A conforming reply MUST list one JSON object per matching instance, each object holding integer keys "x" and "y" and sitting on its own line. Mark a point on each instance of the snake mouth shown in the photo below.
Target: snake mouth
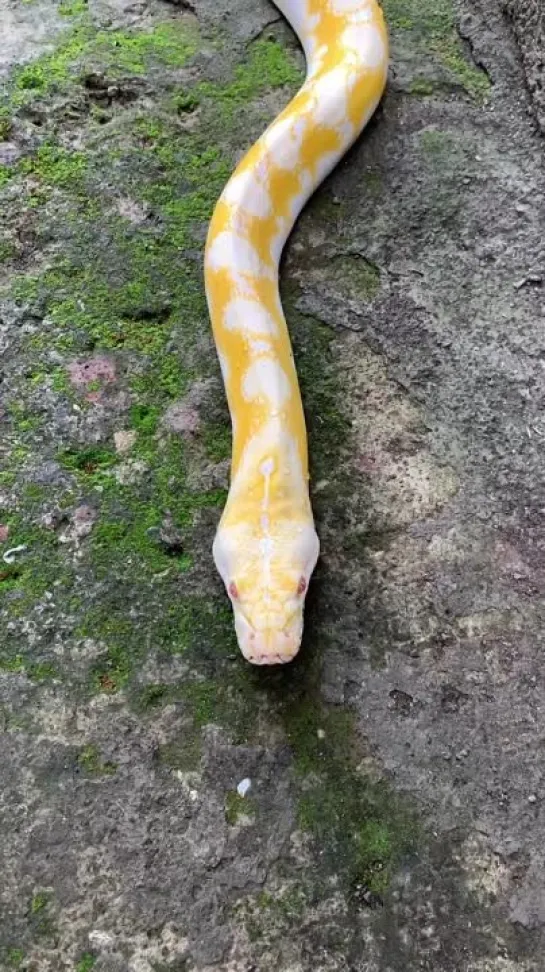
{"x": 270, "y": 659}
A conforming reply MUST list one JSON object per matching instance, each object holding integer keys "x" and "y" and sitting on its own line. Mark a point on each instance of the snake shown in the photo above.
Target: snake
{"x": 266, "y": 547}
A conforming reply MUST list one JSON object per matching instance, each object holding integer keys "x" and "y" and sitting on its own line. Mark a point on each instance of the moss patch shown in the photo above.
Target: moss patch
{"x": 86, "y": 962}
{"x": 91, "y": 762}
{"x": 431, "y": 25}
{"x": 422, "y": 87}
{"x": 41, "y": 914}
{"x": 169, "y": 44}
{"x": 39, "y": 902}
{"x": 358, "y": 277}
{"x": 267, "y": 66}
{"x": 361, "y": 828}
{"x": 184, "y": 755}
{"x": 15, "y": 958}
{"x": 124, "y": 218}
{"x": 238, "y": 808}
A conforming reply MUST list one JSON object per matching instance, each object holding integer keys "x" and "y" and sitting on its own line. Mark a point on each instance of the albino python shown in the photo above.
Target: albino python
{"x": 266, "y": 546}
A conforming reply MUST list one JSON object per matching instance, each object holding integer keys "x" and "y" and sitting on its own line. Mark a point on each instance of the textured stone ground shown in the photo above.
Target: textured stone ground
{"x": 528, "y": 19}
{"x": 395, "y": 820}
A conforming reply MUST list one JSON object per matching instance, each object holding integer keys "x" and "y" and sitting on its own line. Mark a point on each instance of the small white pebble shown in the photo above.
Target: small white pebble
{"x": 321, "y": 734}
{"x": 244, "y": 787}
{"x": 100, "y": 940}
{"x": 532, "y": 798}
{"x": 10, "y": 555}
{"x": 124, "y": 440}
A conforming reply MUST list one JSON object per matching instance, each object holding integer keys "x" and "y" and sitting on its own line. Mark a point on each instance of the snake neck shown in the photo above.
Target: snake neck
{"x": 269, "y": 483}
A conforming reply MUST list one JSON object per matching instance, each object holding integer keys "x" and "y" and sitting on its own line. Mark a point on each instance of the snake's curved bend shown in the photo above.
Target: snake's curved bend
{"x": 266, "y": 546}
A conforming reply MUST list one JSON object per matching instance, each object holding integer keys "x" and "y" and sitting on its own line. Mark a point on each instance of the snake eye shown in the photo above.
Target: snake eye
{"x": 302, "y": 586}
{"x": 233, "y": 591}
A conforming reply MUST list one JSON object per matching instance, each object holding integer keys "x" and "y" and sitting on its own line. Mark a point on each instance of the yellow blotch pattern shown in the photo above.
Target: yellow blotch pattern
{"x": 287, "y": 189}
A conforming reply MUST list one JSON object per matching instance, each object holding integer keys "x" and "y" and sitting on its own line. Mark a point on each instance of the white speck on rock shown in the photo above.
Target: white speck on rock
{"x": 244, "y": 787}
{"x": 11, "y": 554}
{"x": 124, "y": 440}
{"x": 100, "y": 940}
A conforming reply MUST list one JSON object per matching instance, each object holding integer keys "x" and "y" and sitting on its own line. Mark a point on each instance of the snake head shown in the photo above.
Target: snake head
{"x": 266, "y": 574}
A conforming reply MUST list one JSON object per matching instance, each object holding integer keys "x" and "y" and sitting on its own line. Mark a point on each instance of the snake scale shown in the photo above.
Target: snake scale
{"x": 266, "y": 546}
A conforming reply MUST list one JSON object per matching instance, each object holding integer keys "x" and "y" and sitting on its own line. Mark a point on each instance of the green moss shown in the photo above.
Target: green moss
{"x": 86, "y": 962}
{"x": 75, "y": 9}
{"x": 52, "y": 70}
{"x": 435, "y": 142}
{"x": 237, "y": 807}
{"x": 90, "y": 761}
{"x": 327, "y": 427}
{"x": 119, "y": 52}
{"x": 173, "y": 625}
{"x": 184, "y": 755}
{"x": 9, "y": 577}
{"x": 273, "y": 915}
{"x": 170, "y": 43}
{"x": 358, "y": 276}
{"x": 39, "y": 902}
{"x": 15, "y": 958}
{"x": 130, "y": 539}
{"x": 314, "y": 733}
{"x": 217, "y": 440}
{"x": 6, "y": 174}
{"x": 360, "y": 825}
{"x": 422, "y": 87}
{"x": 7, "y": 251}
{"x": 205, "y": 699}
{"x": 31, "y": 577}
{"x": 6, "y": 124}
{"x": 112, "y": 671}
{"x": 186, "y": 103}
{"x": 90, "y": 461}
{"x": 268, "y": 66}
{"x": 153, "y": 695}
{"x": 431, "y": 23}
{"x": 41, "y": 914}
{"x": 145, "y": 418}
{"x": 39, "y": 671}
{"x": 55, "y": 166}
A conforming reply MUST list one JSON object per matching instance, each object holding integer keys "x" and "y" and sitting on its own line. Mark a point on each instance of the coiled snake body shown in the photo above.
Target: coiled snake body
{"x": 266, "y": 546}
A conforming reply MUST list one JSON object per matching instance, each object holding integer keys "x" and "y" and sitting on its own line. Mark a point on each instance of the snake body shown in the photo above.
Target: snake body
{"x": 266, "y": 546}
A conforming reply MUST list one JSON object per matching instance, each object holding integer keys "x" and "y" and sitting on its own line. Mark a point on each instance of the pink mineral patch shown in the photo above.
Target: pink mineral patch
{"x": 4, "y": 533}
{"x": 99, "y": 370}
{"x": 83, "y": 520}
{"x": 367, "y": 464}
{"x": 182, "y": 417}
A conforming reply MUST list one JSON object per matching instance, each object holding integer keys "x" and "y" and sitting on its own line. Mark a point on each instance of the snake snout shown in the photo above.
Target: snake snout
{"x": 269, "y": 646}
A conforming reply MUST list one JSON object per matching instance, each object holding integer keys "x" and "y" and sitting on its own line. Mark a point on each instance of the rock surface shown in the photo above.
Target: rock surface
{"x": 528, "y": 18}
{"x": 379, "y": 805}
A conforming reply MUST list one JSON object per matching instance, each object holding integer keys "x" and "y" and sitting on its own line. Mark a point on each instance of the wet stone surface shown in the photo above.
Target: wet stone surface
{"x": 377, "y": 806}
